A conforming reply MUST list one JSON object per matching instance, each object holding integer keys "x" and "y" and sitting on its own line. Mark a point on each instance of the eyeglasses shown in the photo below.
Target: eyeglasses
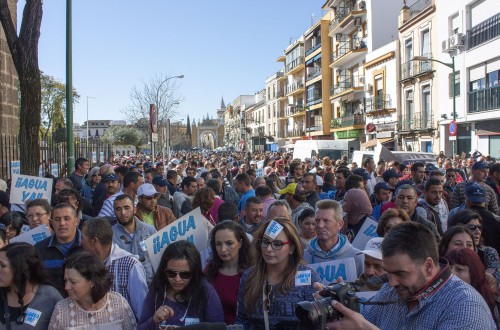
{"x": 148, "y": 198}
{"x": 182, "y": 274}
{"x": 36, "y": 215}
{"x": 275, "y": 245}
{"x": 474, "y": 227}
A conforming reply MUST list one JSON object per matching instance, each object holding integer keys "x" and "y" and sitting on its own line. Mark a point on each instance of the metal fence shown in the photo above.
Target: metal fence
{"x": 53, "y": 154}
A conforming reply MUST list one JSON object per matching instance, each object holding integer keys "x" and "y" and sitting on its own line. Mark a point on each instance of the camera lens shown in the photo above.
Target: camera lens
{"x": 313, "y": 315}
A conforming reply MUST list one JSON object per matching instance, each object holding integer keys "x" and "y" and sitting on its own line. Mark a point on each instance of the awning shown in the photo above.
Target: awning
{"x": 373, "y": 143}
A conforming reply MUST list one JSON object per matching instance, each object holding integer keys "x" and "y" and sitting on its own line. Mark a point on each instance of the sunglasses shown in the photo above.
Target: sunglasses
{"x": 474, "y": 227}
{"x": 96, "y": 174}
{"x": 182, "y": 274}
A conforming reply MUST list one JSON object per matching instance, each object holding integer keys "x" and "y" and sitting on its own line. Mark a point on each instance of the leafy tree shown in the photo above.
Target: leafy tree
{"x": 124, "y": 135}
{"x": 160, "y": 90}
{"x": 24, "y": 51}
{"x": 53, "y": 105}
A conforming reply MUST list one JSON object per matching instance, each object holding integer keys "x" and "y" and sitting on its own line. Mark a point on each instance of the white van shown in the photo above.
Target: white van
{"x": 403, "y": 157}
{"x": 334, "y": 149}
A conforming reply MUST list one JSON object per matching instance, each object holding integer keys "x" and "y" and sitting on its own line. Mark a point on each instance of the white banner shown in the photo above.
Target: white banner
{"x": 365, "y": 233}
{"x": 94, "y": 157}
{"x": 329, "y": 271}
{"x": 54, "y": 169}
{"x": 32, "y": 236}
{"x": 15, "y": 167}
{"x": 24, "y": 188}
{"x": 193, "y": 227}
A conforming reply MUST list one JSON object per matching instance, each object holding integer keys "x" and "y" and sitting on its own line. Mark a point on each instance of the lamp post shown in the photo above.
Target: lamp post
{"x": 452, "y": 67}
{"x": 87, "y": 142}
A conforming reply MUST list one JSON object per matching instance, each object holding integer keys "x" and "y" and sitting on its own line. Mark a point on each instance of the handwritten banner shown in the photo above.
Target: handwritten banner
{"x": 32, "y": 236}
{"x": 54, "y": 169}
{"x": 366, "y": 233}
{"x": 15, "y": 167}
{"x": 24, "y": 188}
{"x": 193, "y": 227}
{"x": 329, "y": 271}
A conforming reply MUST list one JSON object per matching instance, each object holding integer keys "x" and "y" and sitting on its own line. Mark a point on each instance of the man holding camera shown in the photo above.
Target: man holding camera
{"x": 421, "y": 293}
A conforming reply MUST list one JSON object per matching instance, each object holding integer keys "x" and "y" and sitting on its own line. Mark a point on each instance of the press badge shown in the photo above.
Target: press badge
{"x": 303, "y": 278}
{"x": 191, "y": 320}
{"x": 144, "y": 248}
{"x": 32, "y": 317}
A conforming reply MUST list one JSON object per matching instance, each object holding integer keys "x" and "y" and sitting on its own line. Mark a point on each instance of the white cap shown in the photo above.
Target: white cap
{"x": 373, "y": 248}
{"x": 319, "y": 181}
{"x": 175, "y": 161}
{"x": 146, "y": 189}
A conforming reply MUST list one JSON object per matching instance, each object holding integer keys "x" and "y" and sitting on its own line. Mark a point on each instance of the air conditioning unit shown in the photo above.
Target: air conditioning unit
{"x": 369, "y": 88}
{"x": 357, "y": 21}
{"x": 445, "y": 46}
{"x": 338, "y": 37}
{"x": 457, "y": 40}
{"x": 361, "y": 80}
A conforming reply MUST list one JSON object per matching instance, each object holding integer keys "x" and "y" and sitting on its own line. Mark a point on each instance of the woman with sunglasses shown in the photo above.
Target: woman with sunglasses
{"x": 93, "y": 179}
{"x": 489, "y": 256}
{"x": 270, "y": 289}
{"x": 90, "y": 303}
{"x": 180, "y": 294}
{"x": 230, "y": 257}
{"x": 26, "y": 298}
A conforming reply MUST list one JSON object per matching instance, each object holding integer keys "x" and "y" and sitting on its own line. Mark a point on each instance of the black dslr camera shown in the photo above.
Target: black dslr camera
{"x": 315, "y": 314}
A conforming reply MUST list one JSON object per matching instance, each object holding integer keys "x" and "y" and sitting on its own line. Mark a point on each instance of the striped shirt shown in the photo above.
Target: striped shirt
{"x": 456, "y": 305}
{"x": 108, "y": 209}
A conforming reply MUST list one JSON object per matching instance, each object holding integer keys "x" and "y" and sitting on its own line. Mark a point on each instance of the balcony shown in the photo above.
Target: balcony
{"x": 316, "y": 46}
{"x": 348, "y": 121}
{"x": 292, "y": 110}
{"x": 343, "y": 15}
{"x": 378, "y": 103}
{"x": 345, "y": 49}
{"x": 346, "y": 86}
{"x": 412, "y": 69}
{"x": 295, "y": 65}
{"x": 416, "y": 122}
{"x": 294, "y": 88}
{"x": 293, "y": 133}
{"x": 312, "y": 73}
{"x": 280, "y": 94}
{"x": 484, "y": 100}
{"x": 419, "y": 7}
{"x": 315, "y": 128}
{"x": 484, "y": 31}
{"x": 314, "y": 100}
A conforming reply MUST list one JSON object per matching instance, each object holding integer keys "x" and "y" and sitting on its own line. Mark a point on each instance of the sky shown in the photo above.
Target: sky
{"x": 224, "y": 48}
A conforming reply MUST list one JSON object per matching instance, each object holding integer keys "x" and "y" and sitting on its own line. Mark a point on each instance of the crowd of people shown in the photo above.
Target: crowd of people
{"x": 273, "y": 219}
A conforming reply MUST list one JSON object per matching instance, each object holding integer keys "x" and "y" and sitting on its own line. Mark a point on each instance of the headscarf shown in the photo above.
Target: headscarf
{"x": 357, "y": 205}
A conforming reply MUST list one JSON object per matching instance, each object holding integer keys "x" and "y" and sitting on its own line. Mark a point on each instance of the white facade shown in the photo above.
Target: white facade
{"x": 469, "y": 31}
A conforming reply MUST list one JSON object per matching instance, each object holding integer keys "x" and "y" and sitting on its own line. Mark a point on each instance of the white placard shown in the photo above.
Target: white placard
{"x": 329, "y": 271}
{"x": 94, "y": 157}
{"x": 32, "y": 236}
{"x": 54, "y": 169}
{"x": 260, "y": 164}
{"x": 366, "y": 233}
{"x": 273, "y": 229}
{"x": 101, "y": 154}
{"x": 15, "y": 167}
{"x": 24, "y": 188}
{"x": 193, "y": 227}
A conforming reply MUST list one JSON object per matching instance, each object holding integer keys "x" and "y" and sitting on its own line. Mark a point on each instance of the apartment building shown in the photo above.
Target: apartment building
{"x": 255, "y": 119}
{"x": 469, "y": 37}
{"x": 275, "y": 109}
{"x": 233, "y": 118}
{"x": 380, "y": 103}
{"x": 357, "y": 28}
{"x": 419, "y": 83}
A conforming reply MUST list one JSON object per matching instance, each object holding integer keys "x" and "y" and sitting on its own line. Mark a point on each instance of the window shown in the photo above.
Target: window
{"x": 457, "y": 84}
{"x": 425, "y": 43}
{"x": 426, "y": 115}
{"x": 408, "y": 109}
{"x": 408, "y": 49}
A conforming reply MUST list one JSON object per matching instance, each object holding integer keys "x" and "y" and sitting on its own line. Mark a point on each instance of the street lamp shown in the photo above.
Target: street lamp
{"x": 88, "y": 97}
{"x": 452, "y": 67}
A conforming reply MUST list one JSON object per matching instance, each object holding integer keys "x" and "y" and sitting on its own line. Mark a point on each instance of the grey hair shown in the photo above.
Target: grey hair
{"x": 327, "y": 204}
{"x": 406, "y": 187}
{"x": 99, "y": 228}
{"x": 280, "y": 202}
{"x": 93, "y": 171}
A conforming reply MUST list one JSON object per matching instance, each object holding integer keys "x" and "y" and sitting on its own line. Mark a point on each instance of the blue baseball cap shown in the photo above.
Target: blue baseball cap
{"x": 382, "y": 185}
{"x": 475, "y": 193}
{"x": 361, "y": 172}
{"x": 159, "y": 181}
{"x": 110, "y": 177}
{"x": 391, "y": 174}
{"x": 481, "y": 165}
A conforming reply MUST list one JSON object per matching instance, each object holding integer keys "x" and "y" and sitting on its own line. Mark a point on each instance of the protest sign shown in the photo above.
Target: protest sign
{"x": 32, "y": 236}
{"x": 259, "y": 172}
{"x": 193, "y": 227}
{"x": 15, "y": 167}
{"x": 382, "y": 153}
{"x": 329, "y": 271}
{"x": 366, "y": 233}
{"x": 94, "y": 157}
{"x": 101, "y": 156}
{"x": 54, "y": 169}
{"x": 24, "y": 188}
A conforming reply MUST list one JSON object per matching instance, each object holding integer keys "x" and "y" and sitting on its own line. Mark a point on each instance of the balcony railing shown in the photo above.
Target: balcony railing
{"x": 295, "y": 63}
{"x": 347, "y": 46}
{"x": 340, "y": 87}
{"x": 313, "y": 73}
{"x": 293, "y": 109}
{"x": 485, "y": 99}
{"x": 314, "y": 100}
{"x": 316, "y": 46}
{"x": 339, "y": 17}
{"x": 416, "y": 122}
{"x": 484, "y": 31}
{"x": 294, "y": 133}
{"x": 377, "y": 103}
{"x": 418, "y": 7}
{"x": 414, "y": 68}
{"x": 294, "y": 86}
{"x": 280, "y": 94}
{"x": 315, "y": 127}
{"x": 349, "y": 120}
